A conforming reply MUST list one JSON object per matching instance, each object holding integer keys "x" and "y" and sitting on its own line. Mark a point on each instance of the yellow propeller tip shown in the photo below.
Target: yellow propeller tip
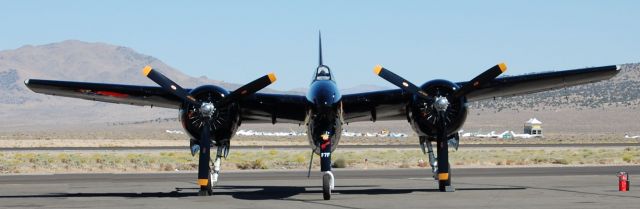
{"x": 272, "y": 77}
{"x": 146, "y": 70}
{"x": 503, "y": 67}
{"x": 377, "y": 69}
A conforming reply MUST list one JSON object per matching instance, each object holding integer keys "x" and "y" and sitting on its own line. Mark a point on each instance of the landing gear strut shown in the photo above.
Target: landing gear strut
{"x": 427, "y": 149}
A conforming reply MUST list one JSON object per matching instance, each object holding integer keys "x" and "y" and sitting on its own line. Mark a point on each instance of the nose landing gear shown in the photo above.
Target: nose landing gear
{"x": 325, "y": 166}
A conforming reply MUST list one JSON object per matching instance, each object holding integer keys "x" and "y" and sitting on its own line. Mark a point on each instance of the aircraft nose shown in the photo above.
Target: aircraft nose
{"x": 325, "y": 99}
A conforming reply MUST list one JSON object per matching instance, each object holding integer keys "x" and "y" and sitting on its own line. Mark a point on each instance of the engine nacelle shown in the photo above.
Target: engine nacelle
{"x": 422, "y": 115}
{"x": 225, "y": 120}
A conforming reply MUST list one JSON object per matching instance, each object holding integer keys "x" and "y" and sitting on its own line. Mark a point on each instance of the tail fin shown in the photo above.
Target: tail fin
{"x": 319, "y": 48}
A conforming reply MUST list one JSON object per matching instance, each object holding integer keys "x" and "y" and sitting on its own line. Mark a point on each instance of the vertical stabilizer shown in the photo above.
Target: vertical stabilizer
{"x": 319, "y": 48}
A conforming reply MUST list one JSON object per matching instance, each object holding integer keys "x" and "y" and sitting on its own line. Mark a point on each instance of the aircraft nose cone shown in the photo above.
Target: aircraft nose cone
{"x": 323, "y": 94}
{"x": 325, "y": 99}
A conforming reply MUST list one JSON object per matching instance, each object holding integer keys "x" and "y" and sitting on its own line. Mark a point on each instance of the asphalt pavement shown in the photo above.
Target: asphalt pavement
{"x": 551, "y": 187}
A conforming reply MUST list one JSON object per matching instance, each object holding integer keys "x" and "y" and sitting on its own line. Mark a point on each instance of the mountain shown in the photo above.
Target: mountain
{"x": 352, "y": 90}
{"x": 623, "y": 90}
{"x": 78, "y": 61}
{"x": 363, "y": 88}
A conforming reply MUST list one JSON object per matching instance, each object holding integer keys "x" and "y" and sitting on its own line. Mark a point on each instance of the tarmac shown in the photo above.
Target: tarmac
{"x": 550, "y": 187}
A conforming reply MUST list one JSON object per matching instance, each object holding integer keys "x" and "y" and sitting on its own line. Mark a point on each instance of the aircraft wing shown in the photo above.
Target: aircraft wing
{"x": 113, "y": 93}
{"x": 391, "y": 104}
{"x": 532, "y": 83}
{"x": 257, "y": 108}
{"x": 273, "y": 108}
{"x": 376, "y": 105}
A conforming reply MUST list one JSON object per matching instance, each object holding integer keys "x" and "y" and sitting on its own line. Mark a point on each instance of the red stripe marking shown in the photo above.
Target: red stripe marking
{"x": 323, "y": 146}
{"x": 112, "y": 94}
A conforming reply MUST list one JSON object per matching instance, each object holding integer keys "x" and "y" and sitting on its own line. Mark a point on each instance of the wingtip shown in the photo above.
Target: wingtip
{"x": 26, "y": 82}
{"x": 146, "y": 70}
{"x": 618, "y": 67}
{"x": 377, "y": 69}
{"x": 503, "y": 67}
{"x": 272, "y": 77}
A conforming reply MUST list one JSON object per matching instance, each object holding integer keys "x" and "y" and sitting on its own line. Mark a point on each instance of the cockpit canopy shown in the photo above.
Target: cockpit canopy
{"x": 323, "y": 73}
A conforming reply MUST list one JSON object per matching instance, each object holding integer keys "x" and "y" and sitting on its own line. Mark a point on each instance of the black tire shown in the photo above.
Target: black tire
{"x": 326, "y": 187}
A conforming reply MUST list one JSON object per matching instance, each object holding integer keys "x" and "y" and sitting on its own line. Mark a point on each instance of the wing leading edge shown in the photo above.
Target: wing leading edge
{"x": 391, "y": 104}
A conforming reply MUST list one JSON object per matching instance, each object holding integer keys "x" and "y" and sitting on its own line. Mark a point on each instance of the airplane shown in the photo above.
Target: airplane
{"x": 211, "y": 115}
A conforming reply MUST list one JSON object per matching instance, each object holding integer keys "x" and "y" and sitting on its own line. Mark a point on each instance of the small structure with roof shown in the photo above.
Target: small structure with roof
{"x": 533, "y": 127}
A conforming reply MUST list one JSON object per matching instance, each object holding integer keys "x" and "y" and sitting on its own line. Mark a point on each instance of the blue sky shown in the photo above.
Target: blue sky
{"x": 238, "y": 41}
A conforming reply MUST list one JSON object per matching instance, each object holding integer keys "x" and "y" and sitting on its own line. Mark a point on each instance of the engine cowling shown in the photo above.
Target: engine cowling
{"x": 422, "y": 114}
{"x": 225, "y": 119}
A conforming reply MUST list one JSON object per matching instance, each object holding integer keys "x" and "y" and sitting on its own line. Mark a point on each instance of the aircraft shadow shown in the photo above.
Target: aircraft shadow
{"x": 256, "y": 193}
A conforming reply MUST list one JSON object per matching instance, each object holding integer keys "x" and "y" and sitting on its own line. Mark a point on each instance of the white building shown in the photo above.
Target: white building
{"x": 533, "y": 127}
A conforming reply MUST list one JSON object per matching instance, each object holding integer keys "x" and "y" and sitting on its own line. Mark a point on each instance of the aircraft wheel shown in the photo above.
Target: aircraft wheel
{"x": 326, "y": 187}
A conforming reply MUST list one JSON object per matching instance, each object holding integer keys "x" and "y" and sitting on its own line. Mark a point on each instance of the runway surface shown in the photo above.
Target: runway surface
{"x": 555, "y": 187}
{"x": 306, "y": 147}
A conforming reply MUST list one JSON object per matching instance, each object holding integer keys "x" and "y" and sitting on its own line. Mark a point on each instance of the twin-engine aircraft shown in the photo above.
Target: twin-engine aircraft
{"x": 211, "y": 115}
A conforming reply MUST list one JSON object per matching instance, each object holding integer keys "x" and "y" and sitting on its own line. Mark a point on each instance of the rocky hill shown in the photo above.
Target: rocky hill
{"x": 77, "y": 61}
{"x": 623, "y": 90}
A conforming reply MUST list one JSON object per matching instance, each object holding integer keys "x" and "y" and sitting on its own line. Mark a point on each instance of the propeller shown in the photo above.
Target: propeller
{"x": 481, "y": 79}
{"x": 248, "y": 89}
{"x": 440, "y": 103}
{"x": 204, "y": 159}
{"x": 472, "y": 85}
{"x": 400, "y": 82}
{"x": 207, "y": 110}
{"x": 168, "y": 85}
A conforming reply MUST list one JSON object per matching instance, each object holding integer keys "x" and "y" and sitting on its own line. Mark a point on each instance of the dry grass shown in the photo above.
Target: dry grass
{"x": 60, "y": 162}
{"x": 172, "y": 140}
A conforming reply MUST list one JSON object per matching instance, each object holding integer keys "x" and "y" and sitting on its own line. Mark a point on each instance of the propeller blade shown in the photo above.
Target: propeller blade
{"x": 248, "y": 89}
{"x": 443, "y": 151}
{"x": 400, "y": 82}
{"x": 168, "y": 85}
{"x": 205, "y": 155}
{"x": 481, "y": 79}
